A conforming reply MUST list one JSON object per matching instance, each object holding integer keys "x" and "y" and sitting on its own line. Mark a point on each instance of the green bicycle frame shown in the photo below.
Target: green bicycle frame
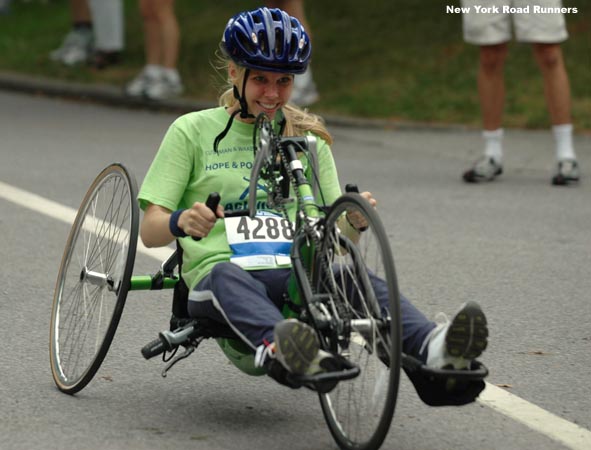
{"x": 152, "y": 282}
{"x": 302, "y": 251}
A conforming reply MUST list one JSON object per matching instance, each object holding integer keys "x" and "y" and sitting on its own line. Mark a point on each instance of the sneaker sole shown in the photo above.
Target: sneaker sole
{"x": 564, "y": 181}
{"x": 296, "y": 345}
{"x": 472, "y": 177}
{"x": 468, "y": 333}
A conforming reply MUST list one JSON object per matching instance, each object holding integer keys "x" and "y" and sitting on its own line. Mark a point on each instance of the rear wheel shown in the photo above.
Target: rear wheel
{"x": 355, "y": 268}
{"x": 94, "y": 278}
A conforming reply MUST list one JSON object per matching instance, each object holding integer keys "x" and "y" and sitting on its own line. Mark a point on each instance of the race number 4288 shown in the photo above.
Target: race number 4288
{"x": 264, "y": 228}
{"x": 261, "y": 242}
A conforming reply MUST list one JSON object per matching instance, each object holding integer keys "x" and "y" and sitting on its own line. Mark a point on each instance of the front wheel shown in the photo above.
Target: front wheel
{"x": 94, "y": 278}
{"x": 355, "y": 268}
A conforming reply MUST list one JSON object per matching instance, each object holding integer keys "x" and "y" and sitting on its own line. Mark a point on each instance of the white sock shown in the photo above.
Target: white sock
{"x": 563, "y": 135}
{"x": 493, "y": 144}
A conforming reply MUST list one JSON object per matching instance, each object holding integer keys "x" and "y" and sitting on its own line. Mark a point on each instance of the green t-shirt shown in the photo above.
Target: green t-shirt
{"x": 186, "y": 170}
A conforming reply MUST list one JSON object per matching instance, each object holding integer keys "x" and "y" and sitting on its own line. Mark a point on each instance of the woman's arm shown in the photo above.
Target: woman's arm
{"x": 154, "y": 229}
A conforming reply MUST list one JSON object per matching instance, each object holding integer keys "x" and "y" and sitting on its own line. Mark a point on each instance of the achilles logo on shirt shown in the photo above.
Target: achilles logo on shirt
{"x": 261, "y": 205}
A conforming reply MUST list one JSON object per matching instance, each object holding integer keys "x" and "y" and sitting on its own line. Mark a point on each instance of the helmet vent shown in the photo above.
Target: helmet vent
{"x": 263, "y": 43}
{"x": 278, "y": 42}
{"x": 247, "y": 44}
{"x": 275, "y": 15}
{"x": 293, "y": 46}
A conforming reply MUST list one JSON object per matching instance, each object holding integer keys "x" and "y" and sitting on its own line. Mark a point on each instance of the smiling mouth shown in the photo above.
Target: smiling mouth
{"x": 268, "y": 106}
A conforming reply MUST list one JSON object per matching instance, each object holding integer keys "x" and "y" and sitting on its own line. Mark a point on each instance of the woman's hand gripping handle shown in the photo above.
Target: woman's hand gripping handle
{"x": 212, "y": 202}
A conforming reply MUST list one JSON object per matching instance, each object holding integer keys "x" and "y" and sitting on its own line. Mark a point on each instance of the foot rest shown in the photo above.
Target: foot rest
{"x": 444, "y": 387}
{"x": 477, "y": 371}
{"x": 325, "y": 382}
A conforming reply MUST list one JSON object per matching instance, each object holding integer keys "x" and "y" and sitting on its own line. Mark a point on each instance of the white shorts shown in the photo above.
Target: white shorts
{"x": 493, "y": 26}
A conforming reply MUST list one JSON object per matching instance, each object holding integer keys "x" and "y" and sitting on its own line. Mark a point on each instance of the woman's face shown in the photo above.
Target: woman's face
{"x": 267, "y": 91}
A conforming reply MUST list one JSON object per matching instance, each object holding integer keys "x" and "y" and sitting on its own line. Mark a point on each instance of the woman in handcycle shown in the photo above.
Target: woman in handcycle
{"x": 212, "y": 151}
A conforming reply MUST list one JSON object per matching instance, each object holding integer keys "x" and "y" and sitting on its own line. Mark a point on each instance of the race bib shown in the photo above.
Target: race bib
{"x": 264, "y": 241}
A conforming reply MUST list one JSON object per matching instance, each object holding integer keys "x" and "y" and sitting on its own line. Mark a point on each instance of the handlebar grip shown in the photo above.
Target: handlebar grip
{"x": 154, "y": 348}
{"x": 351, "y": 188}
{"x": 212, "y": 202}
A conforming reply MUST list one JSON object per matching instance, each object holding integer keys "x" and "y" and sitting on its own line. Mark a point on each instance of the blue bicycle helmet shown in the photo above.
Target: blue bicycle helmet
{"x": 267, "y": 39}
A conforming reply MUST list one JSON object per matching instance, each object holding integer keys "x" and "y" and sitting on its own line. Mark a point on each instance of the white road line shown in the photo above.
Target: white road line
{"x": 570, "y": 434}
{"x": 63, "y": 213}
{"x": 567, "y": 433}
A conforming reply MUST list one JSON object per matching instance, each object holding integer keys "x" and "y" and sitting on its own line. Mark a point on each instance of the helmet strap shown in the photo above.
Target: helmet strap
{"x": 243, "y": 111}
{"x": 223, "y": 134}
{"x": 242, "y": 98}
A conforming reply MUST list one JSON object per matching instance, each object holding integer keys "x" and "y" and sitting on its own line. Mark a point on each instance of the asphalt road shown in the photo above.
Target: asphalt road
{"x": 519, "y": 246}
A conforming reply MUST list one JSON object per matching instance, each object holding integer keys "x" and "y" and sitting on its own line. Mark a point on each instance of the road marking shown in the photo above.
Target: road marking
{"x": 567, "y": 433}
{"x": 65, "y": 214}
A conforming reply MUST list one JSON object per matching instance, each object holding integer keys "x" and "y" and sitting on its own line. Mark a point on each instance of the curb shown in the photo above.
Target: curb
{"x": 114, "y": 96}
{"x": 100, "y": 93}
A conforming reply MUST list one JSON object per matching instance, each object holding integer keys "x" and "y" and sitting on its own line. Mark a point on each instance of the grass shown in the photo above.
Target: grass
{"x": 398, "y": 59}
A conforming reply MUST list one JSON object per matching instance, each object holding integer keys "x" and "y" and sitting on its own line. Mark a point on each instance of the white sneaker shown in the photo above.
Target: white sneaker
{"x": 76, "y": 48}
{"x": 485, "y": 169}
{"x": 567, "y": 172}
{"x": 304, "y": 90}
{"x": 139, "y": 85}
{"x": 458, "y": 342}
{"x": 164, "y": 88}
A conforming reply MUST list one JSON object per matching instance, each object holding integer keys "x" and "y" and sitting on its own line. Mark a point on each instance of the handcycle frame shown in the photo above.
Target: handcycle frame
{"x": 313, "y": 298}
{"x": 301, "y": 292}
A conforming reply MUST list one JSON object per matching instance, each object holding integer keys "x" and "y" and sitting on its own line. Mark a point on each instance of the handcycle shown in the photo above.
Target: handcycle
{"x": 337, "y": 252}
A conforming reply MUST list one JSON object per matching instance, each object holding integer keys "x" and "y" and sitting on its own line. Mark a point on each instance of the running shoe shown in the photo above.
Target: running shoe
{"x": 297, "y": 348}
{"x": 75, "y": 49}
{"x": 138, "y": 86}
{"x": 485, "y": 169}
{"x": 567, "y": 172}
{"x": 304, "y": 90}
{"x": 163, "y": 88}
{"x": 454, "y": 344}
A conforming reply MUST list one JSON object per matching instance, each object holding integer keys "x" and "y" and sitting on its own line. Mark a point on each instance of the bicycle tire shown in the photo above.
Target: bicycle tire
{"x": 359, "y": 412}
{"x": 94, "y": 278}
